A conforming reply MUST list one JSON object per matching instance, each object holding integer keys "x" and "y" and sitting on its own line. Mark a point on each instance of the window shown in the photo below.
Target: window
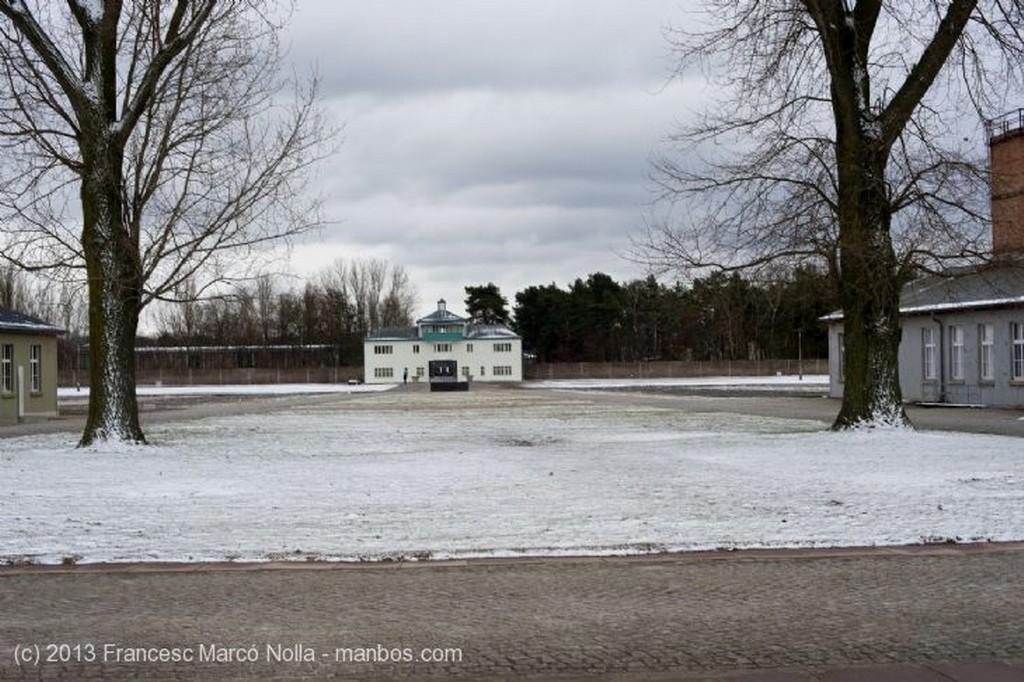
{"x": 35, "y": 358}
{"x": 842, "y": 358}
{"x": 503, "y": 348}
{"x": 928, "y": 352}
{"x": 442, "y": 348}
{"x": 986, "y": 336}
{"x": 502, "y": 371}
{"x": 415, "y": 348}
{"x": 1017, "y": 364}
{"x": 383, "y": 372}
{"x": 956, "y": 352}
{"x": 419, "y": 372}
{"x": 7, "y": 368}
{"x": 483, "y": 371}
{"x": 469, "y": 348}
{"x": 383, "y": 350}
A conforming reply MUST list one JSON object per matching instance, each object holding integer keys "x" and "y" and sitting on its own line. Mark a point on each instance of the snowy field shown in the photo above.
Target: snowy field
{"x": 812, "y": 383}
{"x": 497, "y": 473}
{"x": 68, "y": 393}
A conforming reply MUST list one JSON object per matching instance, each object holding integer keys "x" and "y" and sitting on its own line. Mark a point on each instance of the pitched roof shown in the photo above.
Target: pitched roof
{"x": 998, "y": 285}
{"x": 441, "y": 315}
{"x": 994, "y": 286}
{"x": 13, "y": 321}
{"x": 473, "y": 330}
{"x": 490, "y": 331}
{"x": 394, "y": 334}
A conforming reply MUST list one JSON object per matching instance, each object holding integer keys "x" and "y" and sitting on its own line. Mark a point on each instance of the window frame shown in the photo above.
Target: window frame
{"x": 7, "y": 368}
{"x": 842, "y": 357}
{"x": 956, "y": 352}
{"x": 986, "y": 352}
{"x": 35, "y": 362}
{"x": 929, "y": 370}
{"x": 1017, "y": 352}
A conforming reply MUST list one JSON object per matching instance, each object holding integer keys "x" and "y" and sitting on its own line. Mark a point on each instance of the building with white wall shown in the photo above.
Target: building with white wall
{"x": 963, "y": 338}
{"x": 28, "y": 366}
{"x": 963, "y": 331}
{"x": 473, "y": 352}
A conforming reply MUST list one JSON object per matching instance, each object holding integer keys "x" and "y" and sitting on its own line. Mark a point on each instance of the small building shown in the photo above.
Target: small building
{"x": 28, "y": 366}
{"x": 470, "y": 351}
{"x": 963, "y": 338}
{"x": 963, "y": 332}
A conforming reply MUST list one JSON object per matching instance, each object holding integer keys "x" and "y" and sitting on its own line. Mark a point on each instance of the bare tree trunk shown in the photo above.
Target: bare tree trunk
{"x": 114, "y": 296}
{"x": 869, "y": 291}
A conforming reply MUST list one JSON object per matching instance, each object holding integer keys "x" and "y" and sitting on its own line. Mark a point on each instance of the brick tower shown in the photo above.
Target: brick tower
{"x": 1006, "y": 147}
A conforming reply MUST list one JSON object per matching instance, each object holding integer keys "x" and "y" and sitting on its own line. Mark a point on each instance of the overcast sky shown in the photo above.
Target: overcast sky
{"x": 487, "y": 140}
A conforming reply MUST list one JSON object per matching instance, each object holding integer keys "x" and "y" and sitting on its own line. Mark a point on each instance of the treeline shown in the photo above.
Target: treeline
{"x": 339, "y": 306}
{"x": 719, "y": 317}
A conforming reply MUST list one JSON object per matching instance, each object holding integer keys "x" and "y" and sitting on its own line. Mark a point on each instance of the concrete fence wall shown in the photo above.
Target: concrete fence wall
{"x": 566, "y": 370}
{"x": 311, "y": 375}
{"x": 668, "y": 370}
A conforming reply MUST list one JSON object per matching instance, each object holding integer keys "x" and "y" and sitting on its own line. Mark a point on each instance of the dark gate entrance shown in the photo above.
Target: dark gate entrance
{"x": 444, "y": 376}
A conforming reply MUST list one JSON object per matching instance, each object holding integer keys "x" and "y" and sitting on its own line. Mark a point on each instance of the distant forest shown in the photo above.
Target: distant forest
{"x": 719, "y": 317}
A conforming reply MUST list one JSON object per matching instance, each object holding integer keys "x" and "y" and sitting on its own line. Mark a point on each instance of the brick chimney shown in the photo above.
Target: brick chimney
{"x": 1006, "y": 147}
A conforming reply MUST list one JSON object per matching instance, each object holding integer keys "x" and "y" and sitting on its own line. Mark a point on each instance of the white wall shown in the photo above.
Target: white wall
{"x": 483, "y": 356}
{"x": 1002, "y": 390}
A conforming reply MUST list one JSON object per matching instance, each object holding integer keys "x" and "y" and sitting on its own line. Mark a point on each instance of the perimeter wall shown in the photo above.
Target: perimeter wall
{"x": 567, "y": 370}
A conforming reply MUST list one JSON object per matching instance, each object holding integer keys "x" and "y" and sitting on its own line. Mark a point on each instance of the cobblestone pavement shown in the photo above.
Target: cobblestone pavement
{"x": 920, "y": 613}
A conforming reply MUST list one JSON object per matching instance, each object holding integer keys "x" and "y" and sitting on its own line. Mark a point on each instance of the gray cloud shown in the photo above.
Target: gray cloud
{"x": 403, "y": 46}
{"x": 487, "y": 140}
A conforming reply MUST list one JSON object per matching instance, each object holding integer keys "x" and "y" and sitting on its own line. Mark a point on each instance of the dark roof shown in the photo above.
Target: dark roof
{"x": 473, "y": 331}
{"x": 395, "y": 334}
{"x": 995, "y": 286}
{"x": 13, "y": 321}
{"x": 441, "y": 316}
{"x": 490, "y": 331}
{"x": 999, "y": 285}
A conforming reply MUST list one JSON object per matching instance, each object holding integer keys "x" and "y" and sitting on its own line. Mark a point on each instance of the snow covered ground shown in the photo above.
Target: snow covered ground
{"x": 811, "y": 383}
{"x": 68, "y": 393}
{"x": 497, "y": 473}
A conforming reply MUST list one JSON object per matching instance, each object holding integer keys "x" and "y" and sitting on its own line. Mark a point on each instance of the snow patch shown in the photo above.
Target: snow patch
{"x": 237, "y": 389}
{"x": 503, "y": 473}
{"x": 812, "y": 382}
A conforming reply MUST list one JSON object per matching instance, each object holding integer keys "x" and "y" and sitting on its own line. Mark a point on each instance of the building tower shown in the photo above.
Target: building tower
{"x": 1006, "y": 149}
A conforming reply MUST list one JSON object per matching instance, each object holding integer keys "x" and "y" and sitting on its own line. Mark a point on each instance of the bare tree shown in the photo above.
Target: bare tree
{"x": 183, "y": 140}
{"x": 381, "y": 293}
{"x": 12, "y": 287}
{"x": 842, "y": 140}
{"x": 399, "y": 300}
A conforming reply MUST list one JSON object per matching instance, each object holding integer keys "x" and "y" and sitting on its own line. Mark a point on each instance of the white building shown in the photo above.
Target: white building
{"x": 445, "y": 345}
{"x": 963, "y": 332}
{"x": 963, "y": 338}
{"x": 28, "y": 366}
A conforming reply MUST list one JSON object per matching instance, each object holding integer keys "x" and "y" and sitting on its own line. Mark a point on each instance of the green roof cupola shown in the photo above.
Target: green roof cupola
{"x": 442, "y": 325}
